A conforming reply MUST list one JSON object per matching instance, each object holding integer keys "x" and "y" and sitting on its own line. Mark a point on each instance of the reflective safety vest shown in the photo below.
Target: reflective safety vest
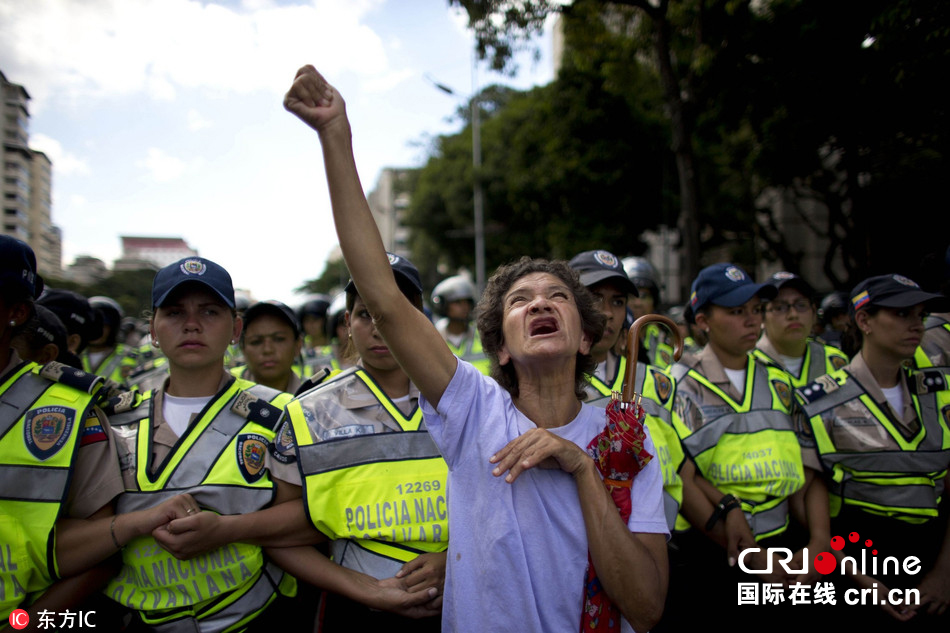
{"x": 219, "y": 461}
{"x": 905, "y": 482}
{"x": 314, "y": 360}
{"x": 921, "y": 359}
{"x": 658, "y": 348}
{"x": 819, "y": 360}
{"x": 42, "y": 415}
{"x": 380, "y": 497}
{"x": 471, "y": 350}
{"x": 657, "y": 389}
{"x": 116, "y": 366}
{"x": 750, "y": 448}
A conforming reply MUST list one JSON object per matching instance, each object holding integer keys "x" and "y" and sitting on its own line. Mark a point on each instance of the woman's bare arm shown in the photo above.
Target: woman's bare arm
{"x": 411, "y": 337}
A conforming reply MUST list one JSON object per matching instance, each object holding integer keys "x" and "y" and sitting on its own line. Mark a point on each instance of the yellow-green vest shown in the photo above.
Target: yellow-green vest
{"x": 819, "y": 360}
{"x": 383, "y": 493}
{"x": 750, "y": 448}
{"x": 116, "y": 366}
{"x": 921, "y": 359}
{"x": 42, "y": 415}
{"x": 219, "y": 461}
{"x": 657, "y": 389}
{"x": 656, "y": 343}
{"x": 471, "y": 351}
{"x": 906, "y": 484}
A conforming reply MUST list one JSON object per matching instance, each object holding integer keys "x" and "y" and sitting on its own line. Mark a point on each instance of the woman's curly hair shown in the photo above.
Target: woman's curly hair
{"x": 490, "y": 313}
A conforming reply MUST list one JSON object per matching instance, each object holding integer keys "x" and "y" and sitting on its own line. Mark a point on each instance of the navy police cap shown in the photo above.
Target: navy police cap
{"x": 726, "y": 285}
{"x": 192, "y": 269}
{"x": 272, "y": 307}
{"x": 18, "y": 266}
{"x": 894, "y": 291}
{"x": 594, "y": 267}
{"x": 402, "y": 269}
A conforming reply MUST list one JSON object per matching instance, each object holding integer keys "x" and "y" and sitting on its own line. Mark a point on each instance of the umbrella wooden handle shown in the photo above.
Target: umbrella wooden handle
{"x": 633, "y": 347}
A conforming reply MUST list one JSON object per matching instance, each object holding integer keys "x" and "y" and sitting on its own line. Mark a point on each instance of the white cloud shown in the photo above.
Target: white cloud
{"x": 161, "y": 167}
{"x": 97, "y": 49}
{"x": 63, "y": 162}
{"x": 196, "y": 121}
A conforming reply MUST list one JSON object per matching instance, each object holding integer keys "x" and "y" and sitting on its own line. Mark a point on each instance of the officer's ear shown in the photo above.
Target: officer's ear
{"x": 47, "y": 354}
{"x": 73, "y": 341}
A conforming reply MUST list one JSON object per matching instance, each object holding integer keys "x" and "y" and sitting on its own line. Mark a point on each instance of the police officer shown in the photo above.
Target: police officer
{"x": 786, "y": 340}
{"x": 106, "y": 356}
{"x": 82, "y": 323}
{"x": 738, "y": 427}
{"x": 271, "y": 344}
{"x": 363, "y": 452}
{"x": 41, "y": 338}
{"x": 453, "y": 301}
{"x": 58, "y": 469}
{"x": 833, "y": 318}
{"x": 646, "y": 278}
{"x": 204, "y": 432}
{"x": 604, "y": 276}
{"x": 881, "y": 433}
{"x": 317, "y": 347}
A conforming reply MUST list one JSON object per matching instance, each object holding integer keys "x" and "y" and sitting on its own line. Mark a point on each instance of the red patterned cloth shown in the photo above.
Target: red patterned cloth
{"x": 619, "y": 454}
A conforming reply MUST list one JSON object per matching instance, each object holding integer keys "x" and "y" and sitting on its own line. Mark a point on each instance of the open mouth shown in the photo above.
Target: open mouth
{"x": 543, "y": 326}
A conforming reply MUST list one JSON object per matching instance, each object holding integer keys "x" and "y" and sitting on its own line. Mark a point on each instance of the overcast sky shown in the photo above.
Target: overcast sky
{"x": 165, "y": 117}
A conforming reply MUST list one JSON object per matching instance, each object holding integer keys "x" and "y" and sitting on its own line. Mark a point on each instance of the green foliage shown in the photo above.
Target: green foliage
{"x": 334, "y": 276}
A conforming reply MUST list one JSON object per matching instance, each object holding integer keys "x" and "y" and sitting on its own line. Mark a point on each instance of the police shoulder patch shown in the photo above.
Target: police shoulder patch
{"x": 822, "y": 385}
{"x": 837, "y": 361}
{"x": 47, "y": 429}
{"x": 122, "y": 403}
{"x": 251, "y": 449}
{"x": 284, "y": 446}
{"x": 257, "y": 410}
{"x": 76, "y": 378}
{"x": 928, "y": 381}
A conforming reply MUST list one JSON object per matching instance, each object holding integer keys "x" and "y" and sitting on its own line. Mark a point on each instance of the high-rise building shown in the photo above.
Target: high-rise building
{"x": 26, "y": 186}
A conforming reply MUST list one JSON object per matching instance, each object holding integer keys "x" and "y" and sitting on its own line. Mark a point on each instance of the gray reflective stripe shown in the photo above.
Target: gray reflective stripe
{"x": 19, "y": 397}
{"x": 252, "y": 601}
{"x": 33, "y": 483}
{"x": 768, "y": 521}
{"x": 222, "y": 499}
{"x": 896, "y": 497}
{"x": 203, "y": 454}
{"x": 381, "y": 447}
{"x": 735, "y": 423}
{"x": 671, "y": 508}
{"x": 201, "y": 457}
{"x": 351, "y": 555}
{"x": 903, "y": 463}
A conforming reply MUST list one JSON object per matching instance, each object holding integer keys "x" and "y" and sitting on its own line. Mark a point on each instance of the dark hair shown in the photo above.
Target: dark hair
{"x": 490, "y": 314}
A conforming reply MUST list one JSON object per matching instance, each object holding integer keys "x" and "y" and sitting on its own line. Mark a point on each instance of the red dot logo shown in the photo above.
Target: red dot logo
{"x": 868, "y": 543}
{"x": 19, "y": 619}
{"x": 825, "y": 563}
{"x": 853, "y": 537}
{"x": 837, "y": 543}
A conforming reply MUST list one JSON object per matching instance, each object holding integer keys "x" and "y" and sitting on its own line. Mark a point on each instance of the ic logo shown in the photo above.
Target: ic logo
{"x": 19, "y": 619}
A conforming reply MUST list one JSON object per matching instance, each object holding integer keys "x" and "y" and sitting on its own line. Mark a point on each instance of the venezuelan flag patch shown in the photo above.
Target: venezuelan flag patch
{"x": 859, "y": 301}
{"x": 92, "y": 432}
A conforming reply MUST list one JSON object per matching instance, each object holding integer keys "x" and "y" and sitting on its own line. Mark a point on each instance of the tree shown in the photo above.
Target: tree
{"x": 566, "y": 167}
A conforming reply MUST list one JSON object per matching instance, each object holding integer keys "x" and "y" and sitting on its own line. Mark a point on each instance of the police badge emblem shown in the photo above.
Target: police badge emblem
{"x": 250, "y": 456}
{"x": 838, "y": 362}
{"x": 47, "y": 429}
{"x": 193, "y": 267}
{"x": 783, "y": 392}
{"x": 664, "y": 386}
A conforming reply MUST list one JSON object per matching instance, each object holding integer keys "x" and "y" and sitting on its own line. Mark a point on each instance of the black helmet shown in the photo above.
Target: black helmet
{"x": 315, "y": 307}
{"x": 833, "y": 304}
{"x": 109, "y": 309}
{"x": 455, "y": 288}
{"x": 335, "y": 312}
{"x": 643, "y": 275}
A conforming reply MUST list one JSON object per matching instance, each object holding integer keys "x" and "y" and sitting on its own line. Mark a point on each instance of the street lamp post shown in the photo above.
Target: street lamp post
{"x": 478, "y": 200}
